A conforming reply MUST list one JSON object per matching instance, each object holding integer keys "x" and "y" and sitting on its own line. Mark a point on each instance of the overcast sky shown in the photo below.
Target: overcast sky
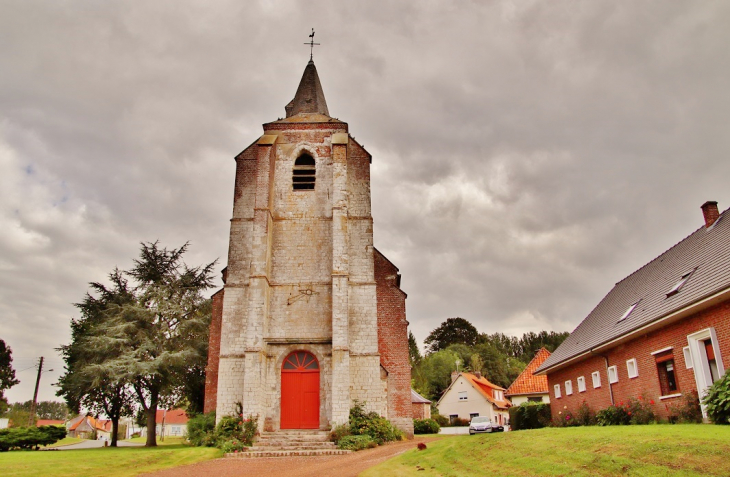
{"x": 526, "y": 155}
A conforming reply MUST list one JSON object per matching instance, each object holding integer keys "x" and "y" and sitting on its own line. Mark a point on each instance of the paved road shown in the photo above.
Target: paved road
{"x": 89, "y": 444}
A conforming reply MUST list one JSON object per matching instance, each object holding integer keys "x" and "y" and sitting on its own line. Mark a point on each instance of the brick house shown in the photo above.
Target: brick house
{"x": 470, "y": 395}
{"x": 659, "y": 334}
{"x": 421, "y": 406}
{"x": 311, "y": 317}
{"x": 528, "y": 387}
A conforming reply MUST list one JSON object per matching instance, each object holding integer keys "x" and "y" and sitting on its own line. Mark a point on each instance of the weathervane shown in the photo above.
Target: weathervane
{"x": 311, "y": 44}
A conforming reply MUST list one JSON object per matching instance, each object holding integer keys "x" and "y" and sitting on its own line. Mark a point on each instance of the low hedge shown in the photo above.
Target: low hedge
{"x": 529, "y": 415}
{"x": 425, "y": 426}
{"x": 356, "y": 443}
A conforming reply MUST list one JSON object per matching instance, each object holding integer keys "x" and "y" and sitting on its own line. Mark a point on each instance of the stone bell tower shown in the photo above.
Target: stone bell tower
{"x": 311, "y": 317}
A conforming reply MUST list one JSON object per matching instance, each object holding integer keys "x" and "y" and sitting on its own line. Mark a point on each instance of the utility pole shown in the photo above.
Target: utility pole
{"x": 35, "y": 394}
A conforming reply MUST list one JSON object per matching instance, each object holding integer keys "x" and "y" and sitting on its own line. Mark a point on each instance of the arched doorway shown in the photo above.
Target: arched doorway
{"x": 300, "y": 391}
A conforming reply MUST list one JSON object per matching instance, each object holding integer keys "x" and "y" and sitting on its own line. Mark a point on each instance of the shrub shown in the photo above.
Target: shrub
{"x": 634, "y": 411}
{"x": 339, "y": 432}
{"x": 201, "y": 430}
{"x": 30, "y": 437}
{"x": 425, "y": 426}
{"x": 459, "y": 422}
{"x": 613, "y": 416}
{"x": 717, "y": 400}
{"x": 584, "y": 416}
{"x": 687, "y": 409}
{"x": 356, "y": 443}
{"x": 529, "y": 415}
{"x": 442, "y": 421}
{"x": 379, "y": 428}
{"x": 235, "y": 433}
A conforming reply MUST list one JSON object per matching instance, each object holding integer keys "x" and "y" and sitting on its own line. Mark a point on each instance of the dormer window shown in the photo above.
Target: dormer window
{"x": 678, "y": 286}
{"x": 628, "y": 312}
{"x": 304, "y": 173}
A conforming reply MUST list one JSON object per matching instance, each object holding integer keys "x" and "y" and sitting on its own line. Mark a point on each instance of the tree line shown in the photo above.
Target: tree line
{"x": 456, "y": 343}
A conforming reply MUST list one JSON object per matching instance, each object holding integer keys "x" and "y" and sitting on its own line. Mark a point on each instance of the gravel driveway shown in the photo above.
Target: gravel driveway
{"x": 335, "y": 465}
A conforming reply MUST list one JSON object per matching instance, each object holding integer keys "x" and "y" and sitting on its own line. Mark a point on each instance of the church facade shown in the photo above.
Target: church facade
{"x": 311, "y": 317}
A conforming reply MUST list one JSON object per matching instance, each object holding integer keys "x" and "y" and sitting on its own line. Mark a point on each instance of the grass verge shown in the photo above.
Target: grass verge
{"x": 169, "y": 441}
{"x": 119, "y": 462}
{"x": 654, "y": 450}
{"x": 66, "y": 441}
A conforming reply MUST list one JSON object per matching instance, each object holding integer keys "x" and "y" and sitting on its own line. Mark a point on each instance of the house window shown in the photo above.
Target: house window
{"x": 462, "y": 396}
{"x": 303, "y": 176}
{"x": 568, "y": 387}
{"x": 453, "y": 418}
{"x": 581, "y": 384}
{"x": 557, "y": 391}
{"x": 631, "y": 368}
{"x": 473, "y": 415}
{"x": 498, "y": 395}
{"x": 596, "y": 376}
{"x": 678, "y": 286}
{"x": 687, "y": 357}
{"x": 612, "y": 375}
{"x": 628, "y": 312}
{"x": 667, "y": 376}
{"x": 534, "y": 399}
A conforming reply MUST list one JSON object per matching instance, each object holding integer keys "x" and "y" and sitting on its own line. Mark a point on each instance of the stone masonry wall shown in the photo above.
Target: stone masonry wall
{"x": 214, "y": 348}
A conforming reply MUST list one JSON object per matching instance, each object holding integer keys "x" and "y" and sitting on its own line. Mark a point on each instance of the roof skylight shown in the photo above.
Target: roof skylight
{"x": 628, "y": 312}
{"x": 682, "y": 280}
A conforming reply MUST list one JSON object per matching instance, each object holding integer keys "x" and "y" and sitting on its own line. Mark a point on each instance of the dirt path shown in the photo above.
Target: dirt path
{"x": 335, "y": 465}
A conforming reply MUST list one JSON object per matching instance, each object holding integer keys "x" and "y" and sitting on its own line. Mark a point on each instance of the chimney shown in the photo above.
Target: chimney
{"x": 478, "y": 374}
{"x": 709, "y": 210}
{"x": 454, "y": 375}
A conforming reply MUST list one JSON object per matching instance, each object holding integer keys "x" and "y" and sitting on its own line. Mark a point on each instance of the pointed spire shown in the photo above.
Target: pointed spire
{"x": 309, "y": 97}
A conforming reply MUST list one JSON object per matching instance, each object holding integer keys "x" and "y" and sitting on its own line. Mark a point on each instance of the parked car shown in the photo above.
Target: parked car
{"x": 480, "y": 424}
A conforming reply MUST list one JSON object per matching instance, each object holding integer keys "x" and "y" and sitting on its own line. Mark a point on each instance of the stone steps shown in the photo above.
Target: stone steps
{"x": 287, "y": 453}
{"x": 291, "y": 443}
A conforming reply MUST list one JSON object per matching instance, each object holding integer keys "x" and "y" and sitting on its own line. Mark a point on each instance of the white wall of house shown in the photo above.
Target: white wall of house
{"x": 453, "y": 402}
{"x": 517, "y": 400}
{"x": 4, "y": 423}
{"x": 172, "y": 430}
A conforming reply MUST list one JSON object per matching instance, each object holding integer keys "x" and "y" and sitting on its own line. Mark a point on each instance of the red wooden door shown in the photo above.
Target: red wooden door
{"x": 300, "y": 391}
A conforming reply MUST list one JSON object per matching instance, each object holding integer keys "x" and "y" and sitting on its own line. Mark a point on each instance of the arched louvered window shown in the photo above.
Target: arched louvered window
{"x": 304, "y": 173}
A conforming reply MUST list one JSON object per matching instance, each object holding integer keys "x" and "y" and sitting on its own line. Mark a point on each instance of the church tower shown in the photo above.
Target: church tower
{"x": 311, "y": 317}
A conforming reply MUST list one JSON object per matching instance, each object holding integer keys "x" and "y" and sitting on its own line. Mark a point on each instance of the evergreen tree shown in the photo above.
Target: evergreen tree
{"x": 88, "y": 381}
{"x": 157, "y": 337}
{"x": 7, "y": 374}
{"x": 413, "y": 352}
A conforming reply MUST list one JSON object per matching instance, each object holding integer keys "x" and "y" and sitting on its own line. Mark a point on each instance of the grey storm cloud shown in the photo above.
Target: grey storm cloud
{"x": 526, "y": 155}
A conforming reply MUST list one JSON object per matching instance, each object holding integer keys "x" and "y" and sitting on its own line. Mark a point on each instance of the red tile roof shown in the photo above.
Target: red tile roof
{"x": 48, "y": 422}
{"x": 486, "y": 389}
{"x": 527, "y": 382}
{"x": 173, "y": 416}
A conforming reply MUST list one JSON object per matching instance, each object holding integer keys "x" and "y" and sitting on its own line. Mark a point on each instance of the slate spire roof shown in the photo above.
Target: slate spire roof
{"x": 309, "y": 97}
{"x": 647, "y": 298}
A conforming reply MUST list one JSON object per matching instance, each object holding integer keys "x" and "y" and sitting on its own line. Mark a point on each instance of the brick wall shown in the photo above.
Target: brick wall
{"x": 646, "y": 384}
{"x": 393, "y": 342}
{"x": 214, "y": 349}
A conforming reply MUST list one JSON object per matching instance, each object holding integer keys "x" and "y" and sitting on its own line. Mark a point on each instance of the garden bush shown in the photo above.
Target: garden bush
{"x": 234, "y": 433}
{"x": 201, "y": 430}
{"x": 371, "y": 424}
{"x": 529, "y": 415}
{"x": 442, "y": 421}
{"x": 425, "y": 426}
{"x": 30, "y": 437}
{"x": 717, "y": 400}
{"x": 356, "y": 443}
{"x": 459, "y": 422}
{"x": 339, "y": 432}
{"x": 634, "y": 411}
{"x": 687, "y": 410}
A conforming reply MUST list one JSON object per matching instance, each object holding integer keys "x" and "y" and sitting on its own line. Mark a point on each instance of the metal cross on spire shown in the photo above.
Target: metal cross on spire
{"x": 311, "y": 44}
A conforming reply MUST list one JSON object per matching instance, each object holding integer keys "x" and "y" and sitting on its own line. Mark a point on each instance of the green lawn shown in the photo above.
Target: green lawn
{"x": 654, "y": 450}
{"x": 122, "y": 461}
{"x": 64, "y": 442}
{"x": 167, "y": 442}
